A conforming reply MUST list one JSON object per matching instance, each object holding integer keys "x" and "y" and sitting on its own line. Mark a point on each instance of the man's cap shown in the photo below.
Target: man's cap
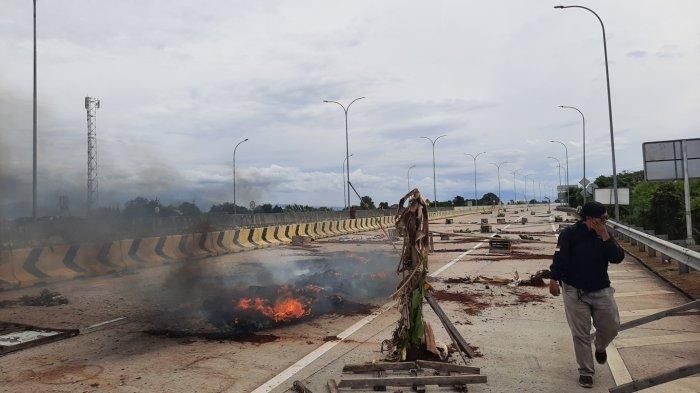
{"x": 592, "y": 209}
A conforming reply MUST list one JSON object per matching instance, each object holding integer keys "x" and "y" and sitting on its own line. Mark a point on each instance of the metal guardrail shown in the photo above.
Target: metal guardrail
{"x": 686, "y": 256}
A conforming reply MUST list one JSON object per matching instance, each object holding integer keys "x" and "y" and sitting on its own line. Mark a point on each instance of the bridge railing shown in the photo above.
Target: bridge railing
{"x": 686, "y": 257}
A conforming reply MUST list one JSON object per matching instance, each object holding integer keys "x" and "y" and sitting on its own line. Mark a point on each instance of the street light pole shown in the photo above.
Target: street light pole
{"x": 498, "y": 167}
{"x": 34, "y": 164}
{"x": 347, "y": 144}
{"x": 408, "y": 176}
{"x": 566, "y": 150}
{"x": 558, "y": 166}
{"x": 583, "y": 118}
{"x": 515, "y": 194}
{"x": 347, "y": 204}
{"x": 607, "y": 80}
{"x": 474, "y": 157}
{"x": 434, "y": 183}
{"x": 234, "y": 173}
{"x": 525, "y": 176}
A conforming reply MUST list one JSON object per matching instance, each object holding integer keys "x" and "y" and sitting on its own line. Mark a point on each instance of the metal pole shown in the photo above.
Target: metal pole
{"x": 498, "y": 166}
{"x": 234, "y": 173}
{"x": 434, "y": 182}
{"x": 607, "y": 80}
{"x": 408, "y": 177}
{"x": 515, "y": 194}
{"x": 347, "y": 202}
{"x": 347, "y": 140}
{"x": 34, "y": 158}
{"x": 476, "y": 200}
{"x": 686, "y": 191}
{"x": 559, "y": 166}
{"x": 583, "y": 119}
{"x": 566, "y": 150}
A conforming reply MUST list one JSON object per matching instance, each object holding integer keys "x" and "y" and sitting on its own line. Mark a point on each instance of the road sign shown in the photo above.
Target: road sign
{"x": 591, "y": 187}
{"x": 663, "y": 160}
{"x": 606, "y": 196}
{"x": 674, "y": 160}
{"x": 584, "y": 182}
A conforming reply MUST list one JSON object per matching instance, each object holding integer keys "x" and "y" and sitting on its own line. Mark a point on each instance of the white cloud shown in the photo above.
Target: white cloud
{"x": 180, "y": 84}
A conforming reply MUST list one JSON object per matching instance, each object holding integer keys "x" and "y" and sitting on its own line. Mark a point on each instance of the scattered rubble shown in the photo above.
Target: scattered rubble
{"x": 46, "y": 298}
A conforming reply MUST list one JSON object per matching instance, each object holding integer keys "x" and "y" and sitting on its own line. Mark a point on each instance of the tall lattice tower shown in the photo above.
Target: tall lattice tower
{"x": 91, "y": 106}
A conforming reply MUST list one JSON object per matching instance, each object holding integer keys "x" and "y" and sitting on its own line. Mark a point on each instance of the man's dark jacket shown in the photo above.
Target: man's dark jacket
{"x": 582, "y": 257}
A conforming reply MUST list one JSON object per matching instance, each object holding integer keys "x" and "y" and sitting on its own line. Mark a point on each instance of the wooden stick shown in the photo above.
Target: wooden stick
{"x": 364, "y": 368}
{"x": 440, "y": 366}
{"x": 457, "y": 338}
{"x": 662, "y": 314}
{"x": 657, "y": 379}
{"x": 410, "y": 381}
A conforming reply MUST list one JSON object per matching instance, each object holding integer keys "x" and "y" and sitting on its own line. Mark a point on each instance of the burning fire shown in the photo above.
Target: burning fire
{"x": 285, "y": 308}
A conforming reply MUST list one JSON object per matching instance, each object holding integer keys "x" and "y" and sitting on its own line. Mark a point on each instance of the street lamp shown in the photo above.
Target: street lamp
{"x": 234, "y": 173}
{"x": 515, "y": 194}
{"x": 347, "y": 146}
{"x": 558, "y": 166}
{"x": 34, "y": 127}
{"x": 583, "y": 118}
{"x": 434, "y": 183}
{"x": 408, "y": 176}
{"x": 566, "y": 150}
{"x": 343, "y": 167}
{"x": 525, "y": 176}
{"x": 607, "y": 80}
{"x": 474, "y": 157}
{"x": 498, "y": 166}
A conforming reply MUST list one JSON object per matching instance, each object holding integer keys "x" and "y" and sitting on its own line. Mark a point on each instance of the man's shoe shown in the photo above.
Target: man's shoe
{"x": 586, "y": 381}
{"x": 601, "y": 357}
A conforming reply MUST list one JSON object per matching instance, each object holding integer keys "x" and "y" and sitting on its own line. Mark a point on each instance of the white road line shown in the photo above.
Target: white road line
{"x": 619, "y": 371}
{"x": 318, "y": 352}
{"x": 657, "y": 340}
{"x": 641, "y": 293}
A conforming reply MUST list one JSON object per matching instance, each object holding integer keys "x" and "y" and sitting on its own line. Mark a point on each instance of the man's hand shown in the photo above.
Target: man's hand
{"x": 554, "y": 287}
{"x": 600, "y": 229}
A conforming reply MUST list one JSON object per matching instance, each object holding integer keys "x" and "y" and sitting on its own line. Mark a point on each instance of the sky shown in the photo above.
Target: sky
{"x": 181, "y": 83}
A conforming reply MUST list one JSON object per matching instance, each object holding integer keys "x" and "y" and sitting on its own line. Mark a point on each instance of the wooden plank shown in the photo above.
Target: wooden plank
{"x": 659, "y": 315}
{"x": 360, "y": 383}
{"x": 440, "y": 366}
{"x": 657, "y": 379}
{"x": 379, "y": 366}
{"x": 451, "y": 330}
{"x": 332, "y": 386}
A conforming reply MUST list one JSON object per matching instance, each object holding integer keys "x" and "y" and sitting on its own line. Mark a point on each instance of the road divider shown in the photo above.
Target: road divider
{"x": 31, "y": 266}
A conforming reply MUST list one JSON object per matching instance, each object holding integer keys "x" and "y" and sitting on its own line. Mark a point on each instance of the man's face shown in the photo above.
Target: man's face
{"x": 592, "y": 222}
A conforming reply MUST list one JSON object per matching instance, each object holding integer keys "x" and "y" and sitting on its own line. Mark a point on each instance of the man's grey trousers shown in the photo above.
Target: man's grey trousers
{"x": 580, "y": 308}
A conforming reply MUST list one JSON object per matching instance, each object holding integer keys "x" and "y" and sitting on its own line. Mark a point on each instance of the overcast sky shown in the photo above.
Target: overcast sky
{"x": 182, "y": 82}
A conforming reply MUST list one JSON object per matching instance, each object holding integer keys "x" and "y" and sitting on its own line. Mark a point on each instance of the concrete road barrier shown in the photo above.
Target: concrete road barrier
{"x": 31, "y": 266}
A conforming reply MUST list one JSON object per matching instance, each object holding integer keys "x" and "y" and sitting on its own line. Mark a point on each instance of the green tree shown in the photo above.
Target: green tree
{"x": 489, "y": 199}
{"x": 458, "y": 201}
{"x": 383, "y": 205}
{"x": 189, "y": 209}
{"x": 367, "y": 203}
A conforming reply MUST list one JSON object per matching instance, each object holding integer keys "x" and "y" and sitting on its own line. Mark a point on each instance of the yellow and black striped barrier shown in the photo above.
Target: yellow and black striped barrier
{"x": 31, "y": 266}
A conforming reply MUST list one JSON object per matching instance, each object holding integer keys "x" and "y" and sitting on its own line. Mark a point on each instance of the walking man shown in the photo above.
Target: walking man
{"x": 580, "y": 263}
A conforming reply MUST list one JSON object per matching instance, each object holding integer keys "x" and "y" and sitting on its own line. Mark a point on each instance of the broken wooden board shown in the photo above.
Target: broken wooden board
{"x": 16, "y": 336}
{"x": 443, "y": 380}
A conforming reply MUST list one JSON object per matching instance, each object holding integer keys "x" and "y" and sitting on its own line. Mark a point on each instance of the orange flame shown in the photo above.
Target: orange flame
{"x": 284, "y": 309}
